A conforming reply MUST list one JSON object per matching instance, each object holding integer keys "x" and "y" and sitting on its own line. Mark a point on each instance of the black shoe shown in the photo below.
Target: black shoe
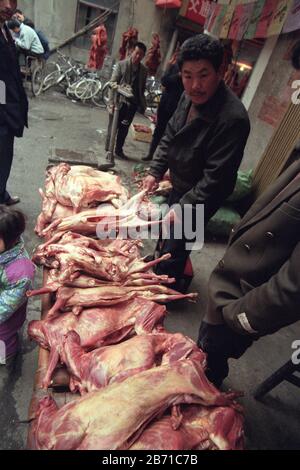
{"x": 12, "y": 201}
{"x": 121, "y": 155}
{"x": 148, "y": 158}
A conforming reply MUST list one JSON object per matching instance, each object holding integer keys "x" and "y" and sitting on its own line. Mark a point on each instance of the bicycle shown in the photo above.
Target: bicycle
{"x": 64, "y": 73}
{"x": 34, "y": 69}
{"x": 78, "y": 82}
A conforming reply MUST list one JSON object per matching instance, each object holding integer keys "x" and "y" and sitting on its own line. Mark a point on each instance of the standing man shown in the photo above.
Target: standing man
{"x": 26, "y": 39}
{"x": 203, "y": 144}
{"x": 133, "y": 73}
{"x": 173, "y": 89}
{"x": 14, "y": 107}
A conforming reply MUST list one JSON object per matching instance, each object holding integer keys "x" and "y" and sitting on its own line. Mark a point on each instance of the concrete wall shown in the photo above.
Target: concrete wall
{"x": 148, "y": 19}
{"x": 55, "y": 17}
{"x": 271, "y": 99}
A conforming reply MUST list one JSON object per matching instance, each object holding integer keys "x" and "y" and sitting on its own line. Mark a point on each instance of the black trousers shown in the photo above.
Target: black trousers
{"x": 126, "y": 115}
{"x": 6, "y": 158}
{"x": 221, "y": 343}
{"x": 175, "y": 266}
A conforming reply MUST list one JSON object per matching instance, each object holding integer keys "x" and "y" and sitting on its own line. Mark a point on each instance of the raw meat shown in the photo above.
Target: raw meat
{"x": 114, "y": 417}
{"x": 94, "y": 370}
{"x": 77, "y": 299}
{"x": 130, "y": 219}
{"x": 202, "y": 428}
{"x": 96, "y": 327}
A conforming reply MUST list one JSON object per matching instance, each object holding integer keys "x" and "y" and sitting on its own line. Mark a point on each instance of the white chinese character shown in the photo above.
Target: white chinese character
{"x": 205, "y": 8}
{"x": 194, "y": 4}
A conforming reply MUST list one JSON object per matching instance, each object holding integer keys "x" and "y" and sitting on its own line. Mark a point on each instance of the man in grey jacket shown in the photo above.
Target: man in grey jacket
{"x": 255, "y": 289}
{"x": 203, "y": 144}
{"x": 133, "y": 73}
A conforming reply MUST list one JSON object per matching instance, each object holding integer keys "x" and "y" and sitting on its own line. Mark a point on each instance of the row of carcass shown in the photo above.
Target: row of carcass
{"x": 135, "y": 385}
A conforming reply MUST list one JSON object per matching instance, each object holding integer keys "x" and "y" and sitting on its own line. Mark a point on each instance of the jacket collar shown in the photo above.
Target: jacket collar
{"x": 12, "y": 254}
{"x": 283, "y": 189}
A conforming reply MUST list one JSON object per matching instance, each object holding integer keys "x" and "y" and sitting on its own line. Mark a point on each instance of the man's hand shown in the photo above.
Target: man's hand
{"x": 150, "y": 184}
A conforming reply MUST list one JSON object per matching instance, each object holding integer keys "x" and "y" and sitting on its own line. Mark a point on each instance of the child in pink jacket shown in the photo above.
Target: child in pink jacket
{"x": 16, "y": 278}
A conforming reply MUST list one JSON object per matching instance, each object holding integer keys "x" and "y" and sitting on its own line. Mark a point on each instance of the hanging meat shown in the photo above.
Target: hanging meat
{"x": 96, "y": 327}
{"x": 101, "y": 367}
{"x": 129, "y": 40}
{"x": 101, "y": 420}
{"x": 99, "y": 48}
{"x": 153, "y": 57}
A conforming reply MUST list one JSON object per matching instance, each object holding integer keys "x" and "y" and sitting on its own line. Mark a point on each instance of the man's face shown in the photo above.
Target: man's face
{"x": 200, "y": 80}
{"x": 137, "y": 56}
{"x": 7, "y": 9}
{"x": 20, "y": 17}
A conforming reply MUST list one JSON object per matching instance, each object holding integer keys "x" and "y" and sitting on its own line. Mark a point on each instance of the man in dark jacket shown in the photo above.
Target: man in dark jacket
{"x": 133, "y": 73}
{"x": 173, "y": 89}
{"x": 255, "y": 289}
{"x": 13, "y": 112}
{"x": 203, "y": 144}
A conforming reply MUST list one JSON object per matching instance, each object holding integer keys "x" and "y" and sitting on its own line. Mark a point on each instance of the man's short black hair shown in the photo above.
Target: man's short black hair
{"x": 12, "y": 24}
{"x": 142, "y": 46}
{"x": 18, "y": 11}
{"x": 201, "y": 47}
{"x": 12, "y": 225}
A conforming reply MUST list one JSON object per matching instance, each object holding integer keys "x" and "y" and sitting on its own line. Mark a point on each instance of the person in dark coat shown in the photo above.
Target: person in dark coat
{"x": 173, "y": 89}
{"x": 255, "y": 289}
{"x": 13, "y": 100}
{"x": 202, "y": 147}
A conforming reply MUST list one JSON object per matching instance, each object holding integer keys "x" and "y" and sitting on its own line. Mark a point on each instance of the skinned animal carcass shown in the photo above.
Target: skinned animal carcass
{"x": 69, "y": 190}
{"x": 77, "y": 299}
{"x": 96, "y": 327}
{"x": 202, "y": 428}
{"x": 131, "y": 220}
{"x": 102, "y": 421}
{"x": 117, "y": 260}
{"x": 101, "y": 367}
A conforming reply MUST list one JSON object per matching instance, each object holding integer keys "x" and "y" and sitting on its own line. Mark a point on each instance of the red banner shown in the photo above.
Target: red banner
{"x": 197, "y": 11}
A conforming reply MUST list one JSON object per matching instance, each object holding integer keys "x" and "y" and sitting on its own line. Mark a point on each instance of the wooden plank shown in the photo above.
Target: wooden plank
{"x": 60, "y": 378}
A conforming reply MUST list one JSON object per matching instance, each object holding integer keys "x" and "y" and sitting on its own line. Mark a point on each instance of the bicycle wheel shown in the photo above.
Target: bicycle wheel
{"x": 37, "y": 79}
{"x": 87, "y": 88}
{"x": 97, "y": 99}
{"x": 105, "y": 94}
{"x": 54, "y": 78}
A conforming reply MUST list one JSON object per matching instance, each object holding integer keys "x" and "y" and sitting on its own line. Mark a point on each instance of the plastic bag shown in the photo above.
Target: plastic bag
{"x": 243, "y": 186}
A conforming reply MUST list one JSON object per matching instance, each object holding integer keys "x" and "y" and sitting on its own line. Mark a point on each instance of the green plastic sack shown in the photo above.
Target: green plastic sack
{"x": 223, "y": 222}
{"x": 243, "y": 186}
